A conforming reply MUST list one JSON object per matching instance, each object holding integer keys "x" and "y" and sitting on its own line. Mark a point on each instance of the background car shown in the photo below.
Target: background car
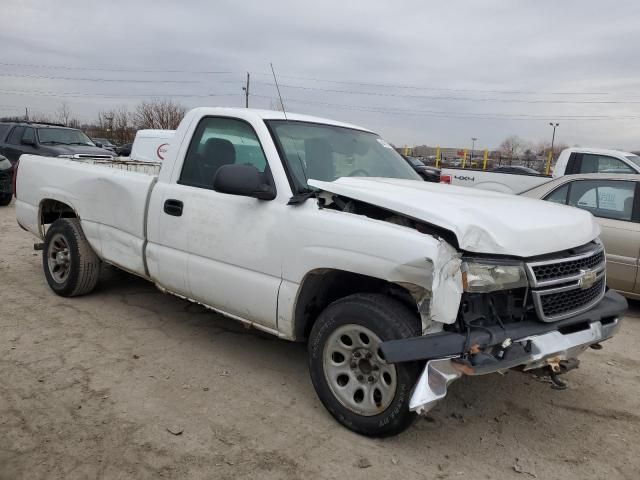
{"x": 614, "y": 200}
{"x": 47, "y": 140}
{"x": 105, "y": 143}
{"x": 124, "y": 150}
{"x": 6, "y": 180}
{"x": 429, "y": 174}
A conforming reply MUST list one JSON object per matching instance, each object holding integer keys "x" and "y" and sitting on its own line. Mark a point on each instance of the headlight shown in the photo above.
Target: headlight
{"x": 478, "y": 276}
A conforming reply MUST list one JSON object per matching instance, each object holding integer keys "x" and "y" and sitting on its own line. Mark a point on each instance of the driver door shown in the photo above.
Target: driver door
{"x": 235, "y": 261}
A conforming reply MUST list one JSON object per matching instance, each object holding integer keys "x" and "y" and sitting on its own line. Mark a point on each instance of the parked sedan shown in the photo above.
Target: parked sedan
{"x": 124, "y": 150}
{"x": 429, "y": 174}
{"x": 614, "y": 199}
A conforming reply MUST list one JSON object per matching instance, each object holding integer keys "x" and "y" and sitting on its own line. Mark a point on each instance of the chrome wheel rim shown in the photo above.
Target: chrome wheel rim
{"x": 59, "y": 258}
{"x": 356, "y": 371}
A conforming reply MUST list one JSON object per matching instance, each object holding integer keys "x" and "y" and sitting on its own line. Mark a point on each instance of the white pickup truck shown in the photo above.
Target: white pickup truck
{"x": 318, "y": 231}
{"x": 570, "y": 161}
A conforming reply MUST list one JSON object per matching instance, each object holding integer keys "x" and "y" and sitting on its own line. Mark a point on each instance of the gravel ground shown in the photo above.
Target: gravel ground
{"x": 130, "y": 383}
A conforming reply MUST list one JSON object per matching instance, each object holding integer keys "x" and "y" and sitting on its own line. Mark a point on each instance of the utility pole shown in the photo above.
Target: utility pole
{"x": 473, "y": 146}
{"x": 246, "y": 91}
{"x": 26, "y": 114}
{"x": 553, "y": 138}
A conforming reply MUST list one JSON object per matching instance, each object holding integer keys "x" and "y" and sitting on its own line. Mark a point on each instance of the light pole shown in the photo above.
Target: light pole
{"x": 553, "y": 139}
{"x": 473, "y": 146}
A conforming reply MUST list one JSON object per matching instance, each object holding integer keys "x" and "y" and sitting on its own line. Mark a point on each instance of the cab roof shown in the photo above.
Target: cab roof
{"x": 273, "y": 115}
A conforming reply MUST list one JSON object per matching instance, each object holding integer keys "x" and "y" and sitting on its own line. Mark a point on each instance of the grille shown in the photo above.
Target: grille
{"x": 558, "y": 304}
{"x": 553, "y": 271}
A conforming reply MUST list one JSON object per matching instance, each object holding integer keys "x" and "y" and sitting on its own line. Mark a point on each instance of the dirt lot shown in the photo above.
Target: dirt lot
{"x": 90, "y": 387}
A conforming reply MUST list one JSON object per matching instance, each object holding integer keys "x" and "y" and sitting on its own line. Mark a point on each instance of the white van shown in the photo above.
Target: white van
{"x": 150, "y": 145}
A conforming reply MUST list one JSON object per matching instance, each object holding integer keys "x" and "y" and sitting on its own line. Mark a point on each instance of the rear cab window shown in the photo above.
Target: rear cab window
{"x": 592, "y": 163}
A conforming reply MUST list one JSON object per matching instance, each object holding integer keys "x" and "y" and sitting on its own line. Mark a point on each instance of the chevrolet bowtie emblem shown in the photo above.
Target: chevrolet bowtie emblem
{"x": 587, "y": 279}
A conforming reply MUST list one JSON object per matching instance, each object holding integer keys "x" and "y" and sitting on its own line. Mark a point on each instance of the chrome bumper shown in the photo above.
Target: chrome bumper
{"x": 545, "y": 349}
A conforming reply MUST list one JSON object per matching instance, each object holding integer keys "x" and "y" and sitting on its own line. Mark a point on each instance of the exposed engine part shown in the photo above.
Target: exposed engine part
{"x": 357, "y": 207}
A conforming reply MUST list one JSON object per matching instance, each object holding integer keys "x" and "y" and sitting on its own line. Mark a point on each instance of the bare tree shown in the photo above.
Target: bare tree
{"x": 512, "y": 147}
{"x": 115, "y": 124}
{"x": 63, "y": 114}
{"x": 542, "y": 148}
{"x": 40, "y": 118}
{"x": 158, "y": 114}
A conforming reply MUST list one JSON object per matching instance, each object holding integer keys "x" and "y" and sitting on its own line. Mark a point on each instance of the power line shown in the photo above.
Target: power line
{"x": 416, "y": 87}
{"x": 111, "y": 69}
{"x": 101, "y": 95}
{"x": 78, "y": 79}
{"x": 297, "y": 77}
{"x": 453, "y": 98}
{"x": 441, "y": 114}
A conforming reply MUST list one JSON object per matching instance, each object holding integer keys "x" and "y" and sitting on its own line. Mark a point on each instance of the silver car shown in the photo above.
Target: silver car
{"x": 614, "y": 200}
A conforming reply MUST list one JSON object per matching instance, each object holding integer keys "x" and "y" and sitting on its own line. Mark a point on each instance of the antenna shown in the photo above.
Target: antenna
{"x": 297, "y": 198}
{"x": 278, "y": 88}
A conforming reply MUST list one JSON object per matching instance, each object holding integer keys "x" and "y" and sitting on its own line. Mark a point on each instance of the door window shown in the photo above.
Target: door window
{"x": 15, "y": 136}
{"x": 604, "y": 198}
{"x": 559, "y": 195}
{"x": 603, "y": 164}
{"x": 216, "y": 142}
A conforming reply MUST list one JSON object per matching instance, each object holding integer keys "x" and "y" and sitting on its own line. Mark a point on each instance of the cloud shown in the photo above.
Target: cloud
{"x": 488, "y": 64}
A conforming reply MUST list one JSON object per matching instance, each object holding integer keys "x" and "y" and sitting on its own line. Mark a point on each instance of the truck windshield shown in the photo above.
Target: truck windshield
{"x": 326, "y": 152}
{"x": 63, "y": 136}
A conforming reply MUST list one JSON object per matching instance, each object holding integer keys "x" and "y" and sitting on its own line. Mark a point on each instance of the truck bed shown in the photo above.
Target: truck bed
{"x": 150, "y": 168}
{"x": 109, "y": 197}
{"x": 495, "y": 181}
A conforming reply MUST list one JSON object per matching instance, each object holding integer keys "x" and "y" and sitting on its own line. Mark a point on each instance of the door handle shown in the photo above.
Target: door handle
{"x": 173, "y": 207}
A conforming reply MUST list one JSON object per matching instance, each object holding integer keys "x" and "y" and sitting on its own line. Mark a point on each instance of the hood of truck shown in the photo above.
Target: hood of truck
{"x": 482, "y": 221}
{"x": 77, "y": 150}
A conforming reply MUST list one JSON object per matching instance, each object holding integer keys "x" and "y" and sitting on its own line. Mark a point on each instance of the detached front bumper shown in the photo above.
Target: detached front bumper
{"x": 527, "y": 345}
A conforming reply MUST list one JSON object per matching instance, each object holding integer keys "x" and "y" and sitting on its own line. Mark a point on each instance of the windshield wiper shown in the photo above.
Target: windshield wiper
{"x": 81, "y": 143}
{"x": 302, "y": 196}
{"x": 53, "y": 142}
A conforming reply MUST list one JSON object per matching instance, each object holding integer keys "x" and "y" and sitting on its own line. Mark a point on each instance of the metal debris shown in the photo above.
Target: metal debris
{"x": 175, "y": 430}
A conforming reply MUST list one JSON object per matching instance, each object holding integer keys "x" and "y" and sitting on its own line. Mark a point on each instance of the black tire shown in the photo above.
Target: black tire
{"x": 389, "y": 320}
{"x": 5, "y": 199}
{"x": 83, "y": 265}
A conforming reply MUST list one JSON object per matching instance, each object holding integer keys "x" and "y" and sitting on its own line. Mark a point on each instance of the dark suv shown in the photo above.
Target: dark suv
{"x": 49, "y": 140}
{"x": 6, "y": 178}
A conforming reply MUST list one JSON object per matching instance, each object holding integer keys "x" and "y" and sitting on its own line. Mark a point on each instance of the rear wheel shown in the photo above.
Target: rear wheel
{"x": 71, "y": 267}
{"x": 348, "y": 370}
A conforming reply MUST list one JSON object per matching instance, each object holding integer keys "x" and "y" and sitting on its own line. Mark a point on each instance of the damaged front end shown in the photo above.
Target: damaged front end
{"x": 542, "y": 313}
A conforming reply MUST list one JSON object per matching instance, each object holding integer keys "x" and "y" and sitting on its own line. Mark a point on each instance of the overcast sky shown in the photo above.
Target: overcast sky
{"x": 434, "y": 74}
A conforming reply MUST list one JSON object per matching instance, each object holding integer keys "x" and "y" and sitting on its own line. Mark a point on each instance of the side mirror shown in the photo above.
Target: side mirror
{"x": 98, "y": 144}
{"x": 29, "y": 141}
{"x": 245, "y": 180}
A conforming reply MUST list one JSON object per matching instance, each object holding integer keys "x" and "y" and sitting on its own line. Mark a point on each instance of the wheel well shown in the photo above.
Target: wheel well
{"x": 52, "y": 210}
{"x": 322, "y": 287}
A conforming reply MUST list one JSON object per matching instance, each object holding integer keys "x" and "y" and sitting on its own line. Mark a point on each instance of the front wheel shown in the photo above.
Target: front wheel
{"x": 5, "y": 199}
{"x": 348, "y": 370}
